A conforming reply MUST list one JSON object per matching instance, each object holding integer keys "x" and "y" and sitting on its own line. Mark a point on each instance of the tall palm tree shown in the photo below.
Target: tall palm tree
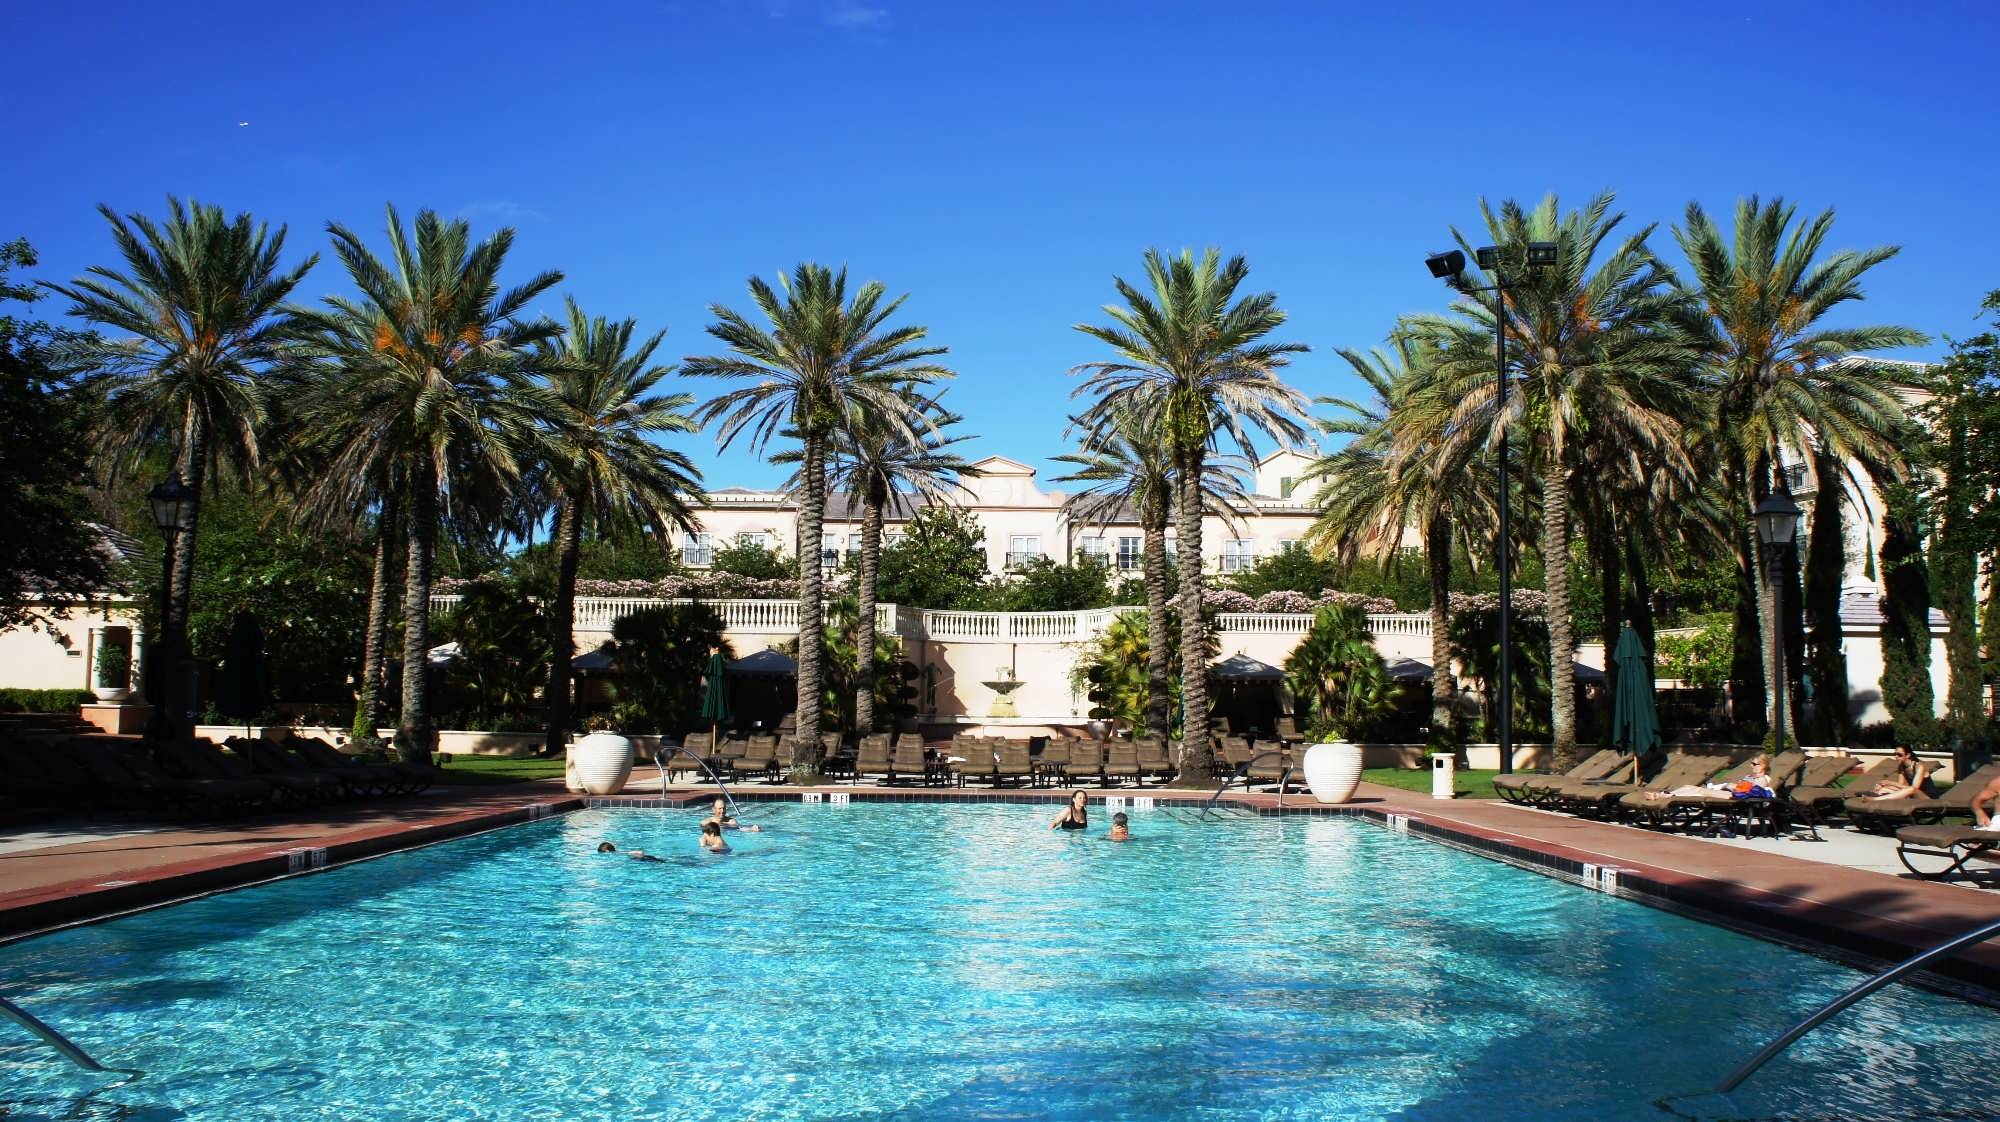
{"x": 826, "y": 363}
{"x": 1601, "y": 353}
{"x": 603, "y": 468}
{"x": 1193, "y": 360}
{"x": 1778, "y": 380}
{"x": 199, "y": 315}
{"x": 424, "y": 385}
{"x": 1371, "y": 491}
{"x": 887, "y": 467}
{"x": 1130, "y": 476}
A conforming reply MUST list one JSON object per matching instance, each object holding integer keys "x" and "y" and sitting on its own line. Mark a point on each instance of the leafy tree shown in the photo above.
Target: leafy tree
{"x": 619, "y": 554}
{"x": 1906, "y": 609}
{"x": 746, "y": 558}
{"x": 1115, "y": 674}
{"x": 891, "y": 681}
{"x": 1777, "y": 380}
{"x": 1701, "y": 659}
{"x": 601, "y": 414}
{"x": 1289, "y": 570}
{"x": 1193, "y": 361}
{"x": 47, "y": 546}
{"x": 422, "y": 388}
{"x": 1964, "y": 419}
{"x": 1045, "y": 585}
{"x": 504, "y": 647}
{"x": 827, "y": 364}
{"x": 1826, "y": 571}
{"x": 660, "y": 655}
{"x": 1338, "y": 677}
{"x": 1475, "y": 642}
{"x": 199, "y": 315}
{"x": 939, "y": 562}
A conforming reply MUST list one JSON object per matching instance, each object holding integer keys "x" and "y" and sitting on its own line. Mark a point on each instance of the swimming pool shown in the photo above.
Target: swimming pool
{"x": 914, "y": 961}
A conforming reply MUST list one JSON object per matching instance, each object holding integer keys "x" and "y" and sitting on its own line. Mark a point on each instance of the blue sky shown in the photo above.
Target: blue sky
{"x": 1001, "y": 162}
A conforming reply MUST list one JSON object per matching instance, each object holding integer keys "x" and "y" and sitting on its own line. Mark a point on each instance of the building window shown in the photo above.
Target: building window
{"x": 1286, "y": 545}
{"x": 1021, "y": 549}
{"x": 891, "y": 538}
{"x": 758, "y": 538}
{"x": 1094, "y": 550}
{"x": 698, "y": 551}
{"x": 829, "y": 551}
{"x": 1237, "y": 555}
{"x": 1285, "y": 486}
{"x": 1129, "y": 553}
{"x": 1173, "y": 549}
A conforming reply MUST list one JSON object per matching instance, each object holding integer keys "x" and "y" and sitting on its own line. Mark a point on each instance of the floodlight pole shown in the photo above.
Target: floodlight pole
{"x": 1506, "y": 550}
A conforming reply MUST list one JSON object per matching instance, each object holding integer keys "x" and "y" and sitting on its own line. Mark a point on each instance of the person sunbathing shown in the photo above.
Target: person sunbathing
{"x": 1911, "y": 776}
{"x": 1981, "y": 820}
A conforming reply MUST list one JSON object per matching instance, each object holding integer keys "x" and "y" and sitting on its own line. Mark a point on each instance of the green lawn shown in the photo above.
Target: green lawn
{"x": 1473, "y": 783}
{"x": 482, "y": 770}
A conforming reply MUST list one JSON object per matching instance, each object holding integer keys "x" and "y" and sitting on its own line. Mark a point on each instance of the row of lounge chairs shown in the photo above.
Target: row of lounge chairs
{"x": 190, "y": 777}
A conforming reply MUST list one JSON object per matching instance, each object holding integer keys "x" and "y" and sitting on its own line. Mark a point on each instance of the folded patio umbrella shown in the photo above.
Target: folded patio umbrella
{"x": 1635, "y": 723}
{"x": 715, "y": 697}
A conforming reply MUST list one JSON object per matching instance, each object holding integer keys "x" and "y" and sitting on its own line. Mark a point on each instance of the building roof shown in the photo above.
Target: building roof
{"x": 1863, "y": 608}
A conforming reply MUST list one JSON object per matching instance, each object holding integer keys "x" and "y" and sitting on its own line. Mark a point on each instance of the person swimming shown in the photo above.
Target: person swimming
{"x": 1120, "y": 829}
{"x": 1075, "y": 816}
{"x": 634, "y": 854}
{"x": 711, "y": 837}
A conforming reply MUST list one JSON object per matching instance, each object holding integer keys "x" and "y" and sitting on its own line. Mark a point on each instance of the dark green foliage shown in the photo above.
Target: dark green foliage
{"x": 1290, "y": 570}
{"x": 503, "y": 650}
{"x": 1906, "y": 632}
{"x": 1401, "y": 579}
{"x": 1475, "y": 640}
{"x": 660, "y": 655}
{"x": 1043, "y": 585}
{"x": 1701, "y": 659}
{"x": 44, "y": 542}
{"x": 1111, "y": 671}
{"x": 895, "y": 678}
{"x": 633, "y": 556}
{"x": 1827, "y": 720}
{"x": 114, "y": 668}
{"x": 748, "y": 559}
{"x": 1343, "y": 688}
{"x": 1964, "y": 418}
{"x": 44, "y": 701}
{"x": 940, "y": 562}
{"x": 308, "y": 590}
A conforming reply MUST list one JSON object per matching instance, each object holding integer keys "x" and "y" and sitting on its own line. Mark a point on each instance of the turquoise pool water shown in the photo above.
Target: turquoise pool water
{"x": 923, "y": 962}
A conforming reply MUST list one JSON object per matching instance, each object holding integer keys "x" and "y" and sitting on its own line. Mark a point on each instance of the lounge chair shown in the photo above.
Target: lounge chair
{"x": 1052, "y": 761}
{"x": 1885, "y": 816}
{"x": 193, "y": 758}
{"x": 759, "y": 759}
{"x": 1153, "y": 759}
{"x": 871, "y": 757}
{"x": 133, "y": 775}
{"x": 730, "y": 750}
{"x": 1015, "y": 764}
{"x": 1271, "y": 765}
{"x": 386, "y": 779}
{"x": 1603, "y": 800}
{"x": 700, "y": 746}
{"x": 1685, "y": 811}
{"x": 1814, "y": 786}
{"x": 1819, "y": 796}
{"x": 978, "y": 760}
{"x": 1086, "y": 759}
{"x": 1513, "y": 786}
{"x": 1288, "y": 731}
{"x": 1121, "y": 761}
{"x": 36, "y": 771}
{"x": 1954, "y": 845}
{"x": 268, "y": 761}
{"x": 907, "y": 762}
{"x": 1234, "y": 754}
{"x": 909, "y": 740}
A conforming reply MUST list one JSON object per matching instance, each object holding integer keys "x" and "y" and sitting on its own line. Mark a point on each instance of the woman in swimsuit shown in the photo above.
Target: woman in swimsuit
{"x": 1911, "y": 775}
{"x": 1075, "y": 816}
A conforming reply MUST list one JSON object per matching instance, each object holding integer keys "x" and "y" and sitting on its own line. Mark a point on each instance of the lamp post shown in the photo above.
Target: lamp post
{"x": 1450, "y": 267}
{"x": 1777, "y": 519}
{"x": 170, "y": 504}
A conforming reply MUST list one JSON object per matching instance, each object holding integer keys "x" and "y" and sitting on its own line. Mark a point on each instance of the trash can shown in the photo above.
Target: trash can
{"x": 1444, "y": 776}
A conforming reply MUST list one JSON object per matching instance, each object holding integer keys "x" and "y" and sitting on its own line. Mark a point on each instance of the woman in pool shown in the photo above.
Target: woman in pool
{"x": 1075, "y": 816}
{"x": 711, "y": 838}
{"x": 718, "y": 813}
{"x": 1911, "y": 775}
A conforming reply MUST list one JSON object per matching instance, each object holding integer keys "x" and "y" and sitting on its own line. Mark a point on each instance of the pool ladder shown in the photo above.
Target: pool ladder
{"x": 659, "y": 761}
{"x": 1243, "y": 772}
{"x": 51, "y": 1037}
{"x": 1791, "y": 1036}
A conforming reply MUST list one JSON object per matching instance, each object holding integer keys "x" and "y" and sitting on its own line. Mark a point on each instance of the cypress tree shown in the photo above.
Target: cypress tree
{"x": 1826, "y": 567}
{"x": 1906, "y": 631}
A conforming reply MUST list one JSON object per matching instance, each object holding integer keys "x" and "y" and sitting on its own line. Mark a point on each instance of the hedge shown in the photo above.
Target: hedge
{"x": 44, "y": 701}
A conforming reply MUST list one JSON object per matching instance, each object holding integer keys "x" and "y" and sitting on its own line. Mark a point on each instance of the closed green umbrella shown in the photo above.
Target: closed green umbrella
{"x": 1635, "y": 723}
{"x": 715, "y": 698}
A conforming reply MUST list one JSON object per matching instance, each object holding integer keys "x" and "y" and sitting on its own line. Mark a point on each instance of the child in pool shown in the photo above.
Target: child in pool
{"x": 636, "y": 854}
{"x": 1119, "y": 830}
{"x": 711, "y": 838}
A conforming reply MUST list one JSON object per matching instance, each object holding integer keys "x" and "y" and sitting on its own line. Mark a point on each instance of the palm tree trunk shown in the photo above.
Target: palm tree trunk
{"x": 562, "y": 635}
{"x": 415, "y": 738}
{"x": 180, "y": 655}
{"x": 375, "y": 649}
{"x": 1604, "y": 546}
{"x": 1197, "y": 752}
{"x": 1159, "y": 656}
{"x": 1770, "y": 634}
{"x": 812, "y": 611}
{"x": 1562, "y": 638}
{"x": 1746, "y": 666}
{"x": 1444, "y": 689}
{"x": 864, "y": 625}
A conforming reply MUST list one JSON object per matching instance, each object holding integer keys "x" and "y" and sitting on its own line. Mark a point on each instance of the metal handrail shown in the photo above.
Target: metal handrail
{"x": 54, "y": 1039}
{"x": 659, "y": 761}
{"x": 1243, "y": 772}
{"x": 1736, "y": 1078}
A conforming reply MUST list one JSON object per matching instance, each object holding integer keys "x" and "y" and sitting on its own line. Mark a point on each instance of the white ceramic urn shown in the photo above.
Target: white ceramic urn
{"x": 603, "y": 762}
{"x": 1333, "y": 771}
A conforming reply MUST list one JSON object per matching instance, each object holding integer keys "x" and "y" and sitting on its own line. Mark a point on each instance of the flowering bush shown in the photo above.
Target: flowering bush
{"x": 1226, "y": 600}
{"x": 1371, "y": 604}
{"x": 690, "y": 586}
{"x": 1530, "y": 602}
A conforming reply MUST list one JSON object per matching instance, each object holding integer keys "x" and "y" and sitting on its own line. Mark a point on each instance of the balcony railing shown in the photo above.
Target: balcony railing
{"x": 1021, "y": 559}
{"x": 745, "y": 617}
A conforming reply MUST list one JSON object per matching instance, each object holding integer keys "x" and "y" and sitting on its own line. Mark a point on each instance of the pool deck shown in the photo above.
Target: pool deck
{"x": 53, "y": 874}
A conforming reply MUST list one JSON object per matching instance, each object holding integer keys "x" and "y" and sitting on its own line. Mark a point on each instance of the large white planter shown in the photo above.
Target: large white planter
{"x": 603, "y": 762}
{"x": 111, "y": 693}
{"x": 1333, "y": 771}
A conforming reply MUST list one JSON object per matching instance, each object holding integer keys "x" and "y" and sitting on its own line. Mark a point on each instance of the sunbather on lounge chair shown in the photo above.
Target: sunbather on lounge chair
{"x": 1981, "y": 819}
{"x": 1908, "y": 782}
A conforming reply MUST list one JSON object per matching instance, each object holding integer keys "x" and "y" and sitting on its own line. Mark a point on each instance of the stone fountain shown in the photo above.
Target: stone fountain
{"x": 1003, "y": 687}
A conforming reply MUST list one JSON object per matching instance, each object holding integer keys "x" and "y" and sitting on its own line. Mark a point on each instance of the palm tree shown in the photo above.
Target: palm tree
{"x": 1601, "y": 357}
{"x": 1778, "y": 380}
{"x": 424, "y": 387}
{"x": 1130, "y": 476}
{"x": 1192, "y": 361}
{"x": 603, "y": 469}
{"x": 827, "y": 363}
{"x": 1371, "y": 491}
{"x": 200, "y": 309}
{"x": 887, "y": 466}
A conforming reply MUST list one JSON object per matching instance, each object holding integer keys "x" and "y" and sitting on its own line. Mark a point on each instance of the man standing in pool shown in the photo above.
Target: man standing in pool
{"x": 718, "y": 813}
{"x": 1075, "y": 816}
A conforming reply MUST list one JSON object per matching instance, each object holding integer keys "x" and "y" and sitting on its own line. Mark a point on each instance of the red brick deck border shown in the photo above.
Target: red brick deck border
{"x": 1854, "y": 913}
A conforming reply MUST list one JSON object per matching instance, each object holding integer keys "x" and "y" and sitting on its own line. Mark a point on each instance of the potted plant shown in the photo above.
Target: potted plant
{"x": 601, "y": 762}
{"x": 114, "y": 673}
{"x": 1344, "y": 686}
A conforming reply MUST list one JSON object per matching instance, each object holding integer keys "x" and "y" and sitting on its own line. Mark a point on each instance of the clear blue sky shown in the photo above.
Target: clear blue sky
{"x": 1000, "y": 162}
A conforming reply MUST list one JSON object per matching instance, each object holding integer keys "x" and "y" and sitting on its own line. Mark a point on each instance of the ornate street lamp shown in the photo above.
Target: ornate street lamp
{"x": 1777, "y": 520}
{"x": 170, "y": 501}
{"x": 1449, "y": 267}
